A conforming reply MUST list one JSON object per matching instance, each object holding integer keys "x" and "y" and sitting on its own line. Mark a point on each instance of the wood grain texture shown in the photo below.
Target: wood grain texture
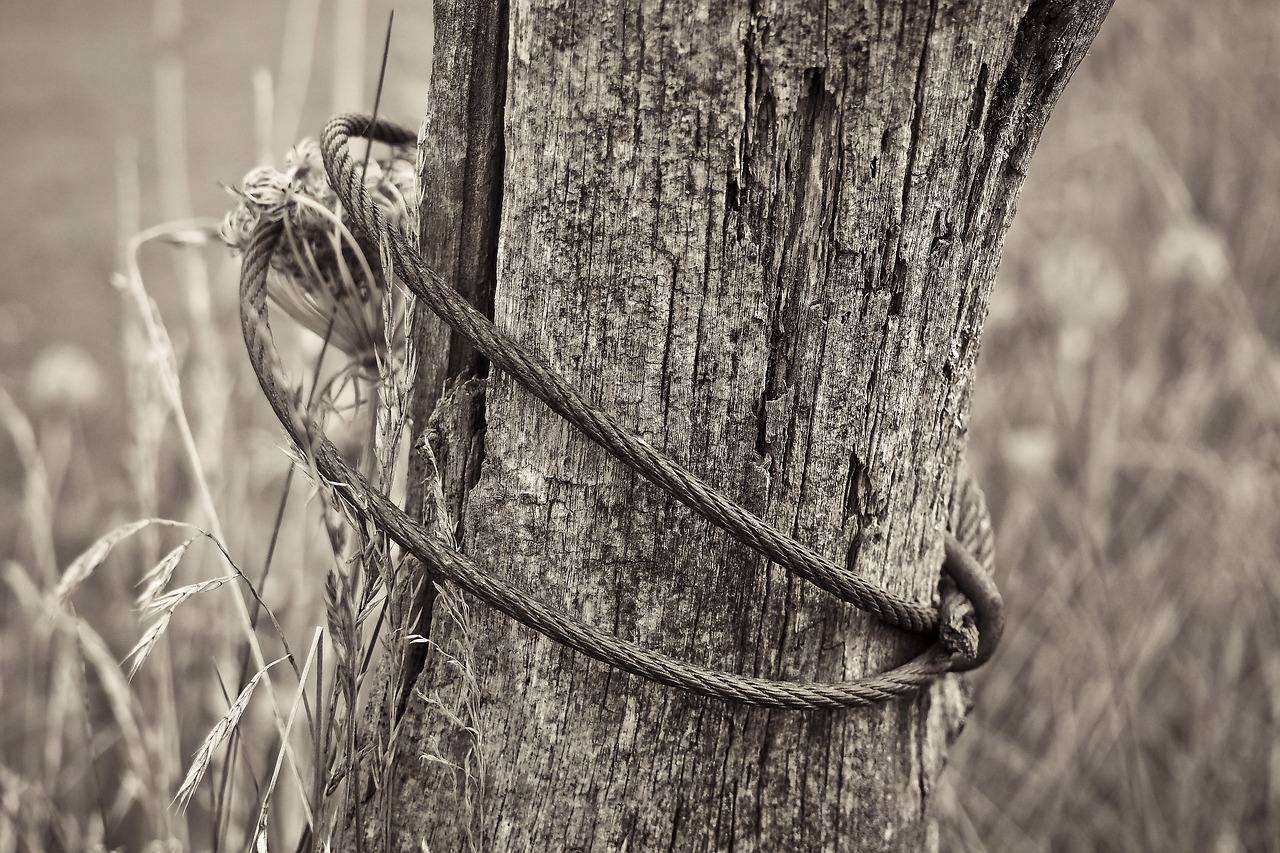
{"x": 763, "y": 236}
{"x": 460, "y": 154}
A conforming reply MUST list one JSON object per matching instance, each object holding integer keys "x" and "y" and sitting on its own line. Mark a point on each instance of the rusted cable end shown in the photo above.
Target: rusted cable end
{"x": 981, "y": 611}
{"x": 957, "y": 626}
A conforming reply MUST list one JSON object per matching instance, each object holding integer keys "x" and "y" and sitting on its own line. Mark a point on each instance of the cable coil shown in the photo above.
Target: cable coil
{"x": 536, "y": 375}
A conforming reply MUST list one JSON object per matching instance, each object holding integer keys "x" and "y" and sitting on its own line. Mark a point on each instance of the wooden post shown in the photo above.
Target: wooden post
{"x": 764, "y": 238}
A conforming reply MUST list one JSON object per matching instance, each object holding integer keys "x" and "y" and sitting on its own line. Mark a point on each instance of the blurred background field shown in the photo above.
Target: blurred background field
{"x": 1126, "y": 421}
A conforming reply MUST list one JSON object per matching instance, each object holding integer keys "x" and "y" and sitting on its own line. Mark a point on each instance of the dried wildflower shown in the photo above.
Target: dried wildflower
{"x": 321, "y": 275}
{"x": 64, "y": 378}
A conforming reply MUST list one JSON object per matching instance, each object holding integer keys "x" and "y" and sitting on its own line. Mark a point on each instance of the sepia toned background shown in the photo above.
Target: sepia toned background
{"x": 1125, "y": 423}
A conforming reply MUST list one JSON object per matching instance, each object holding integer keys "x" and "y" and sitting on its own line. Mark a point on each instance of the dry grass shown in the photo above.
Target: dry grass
{"x": 1126, "y": 426}
{"x": 269, "y": 752}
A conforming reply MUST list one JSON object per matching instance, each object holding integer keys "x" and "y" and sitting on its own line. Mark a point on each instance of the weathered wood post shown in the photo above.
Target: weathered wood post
{"x": 763, "y": 236}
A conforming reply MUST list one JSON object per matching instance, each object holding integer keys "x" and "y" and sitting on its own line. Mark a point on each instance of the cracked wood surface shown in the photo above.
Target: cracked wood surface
{"x": 763, "y": 236}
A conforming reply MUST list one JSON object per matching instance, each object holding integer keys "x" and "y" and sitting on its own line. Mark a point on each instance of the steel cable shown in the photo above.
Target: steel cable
{"x": 971, "y": 577}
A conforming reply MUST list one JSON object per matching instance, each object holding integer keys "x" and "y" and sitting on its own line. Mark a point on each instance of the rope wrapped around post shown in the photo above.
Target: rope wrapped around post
{"x": 536, "y": 375}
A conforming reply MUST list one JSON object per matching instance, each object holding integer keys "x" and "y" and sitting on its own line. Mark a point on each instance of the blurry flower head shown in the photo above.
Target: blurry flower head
{"x": 1082, "y": 288}
{"x": 265, "y": 191}
{"x": 1190, "y": 252}
{"x": 1080, "y": 282}
{"x": 306, "y": 166}
{"x": 321, "y": 275}
{"x": 1030, "y": 451}
{"x": 64, "y": 378}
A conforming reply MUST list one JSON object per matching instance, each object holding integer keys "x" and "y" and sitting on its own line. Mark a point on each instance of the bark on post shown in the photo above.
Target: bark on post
{"x": 764, "y": 237}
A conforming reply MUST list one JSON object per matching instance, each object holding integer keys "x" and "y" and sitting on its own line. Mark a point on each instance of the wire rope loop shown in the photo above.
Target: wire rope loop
{"x": 544, "y": 382}
{"x": 540, "y": 379}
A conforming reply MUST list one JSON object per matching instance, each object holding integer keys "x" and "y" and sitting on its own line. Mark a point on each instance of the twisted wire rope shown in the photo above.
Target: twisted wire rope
{"x": 537, "y": 376}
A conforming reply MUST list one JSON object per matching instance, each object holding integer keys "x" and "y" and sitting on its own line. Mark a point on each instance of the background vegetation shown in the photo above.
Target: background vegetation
{"x": 1125, "y": 426}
